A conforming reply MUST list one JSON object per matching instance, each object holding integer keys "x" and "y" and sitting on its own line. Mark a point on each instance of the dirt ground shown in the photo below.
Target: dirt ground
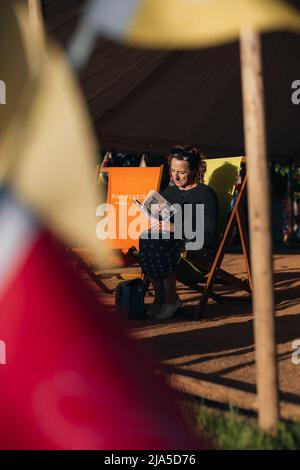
{"x": 220, "y": 348}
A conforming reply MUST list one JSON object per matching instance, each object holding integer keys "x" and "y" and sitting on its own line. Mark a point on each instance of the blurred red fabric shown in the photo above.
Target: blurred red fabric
{"x": 73, "y": 379}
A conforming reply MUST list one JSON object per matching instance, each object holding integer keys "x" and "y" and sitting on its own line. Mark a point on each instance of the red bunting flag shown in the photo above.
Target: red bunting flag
{"x": 70, "y": 377}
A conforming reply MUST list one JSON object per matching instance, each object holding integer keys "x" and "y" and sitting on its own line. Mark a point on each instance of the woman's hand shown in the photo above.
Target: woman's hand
{"x": 156, "y": 226}
{"x": 163, "y": 225}
{"x": 167, "y": 225}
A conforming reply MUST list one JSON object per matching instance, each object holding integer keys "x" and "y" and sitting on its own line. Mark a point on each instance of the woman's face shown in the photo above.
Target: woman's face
{"x": 181, "y": 173}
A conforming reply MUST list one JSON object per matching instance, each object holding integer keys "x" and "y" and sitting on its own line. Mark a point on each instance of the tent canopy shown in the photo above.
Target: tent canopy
{"x": 147, "y": 100}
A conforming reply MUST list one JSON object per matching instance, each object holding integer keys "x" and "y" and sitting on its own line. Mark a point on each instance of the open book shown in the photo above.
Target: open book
{"x": 156, "y": 206}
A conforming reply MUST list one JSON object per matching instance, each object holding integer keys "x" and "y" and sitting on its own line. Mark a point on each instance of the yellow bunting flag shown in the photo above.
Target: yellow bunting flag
{"x": 47, "y": 150}
{"x": 188, "y": 23}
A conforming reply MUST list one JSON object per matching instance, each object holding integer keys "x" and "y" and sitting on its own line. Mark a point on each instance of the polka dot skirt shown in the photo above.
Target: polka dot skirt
{"x": 160, "y": 256}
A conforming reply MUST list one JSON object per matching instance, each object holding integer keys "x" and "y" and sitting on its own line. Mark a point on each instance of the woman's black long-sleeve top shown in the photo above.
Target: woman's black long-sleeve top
{"x": 200, "y": 194}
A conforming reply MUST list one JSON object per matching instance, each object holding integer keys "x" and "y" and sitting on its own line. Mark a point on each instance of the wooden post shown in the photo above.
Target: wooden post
{"x": 35, "y": 15}
{"x": 260, "y": 230}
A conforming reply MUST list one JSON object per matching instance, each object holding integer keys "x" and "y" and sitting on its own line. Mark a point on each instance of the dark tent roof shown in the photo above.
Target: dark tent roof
{"x": 143, "y": 100}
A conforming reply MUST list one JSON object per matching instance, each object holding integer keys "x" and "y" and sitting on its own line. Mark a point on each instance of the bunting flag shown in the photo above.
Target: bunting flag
{"x": 47, "y": 148}
{"x": 187, "y": 23}
{"x": 70, "y": 377}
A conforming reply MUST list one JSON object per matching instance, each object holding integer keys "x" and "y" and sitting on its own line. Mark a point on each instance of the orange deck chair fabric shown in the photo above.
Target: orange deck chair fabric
{"x": 124, "y": 221}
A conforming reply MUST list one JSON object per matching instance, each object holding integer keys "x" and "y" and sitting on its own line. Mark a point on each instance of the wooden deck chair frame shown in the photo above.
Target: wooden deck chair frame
{"x": 81, "y": 255}
{"x": 214, "y": 270}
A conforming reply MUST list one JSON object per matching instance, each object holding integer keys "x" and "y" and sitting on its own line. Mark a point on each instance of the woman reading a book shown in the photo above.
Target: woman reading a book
{"x": 161, "y": 247}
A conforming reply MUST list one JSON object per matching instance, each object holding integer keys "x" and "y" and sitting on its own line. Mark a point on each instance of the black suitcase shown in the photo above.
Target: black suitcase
{"x": 130, "y": 299}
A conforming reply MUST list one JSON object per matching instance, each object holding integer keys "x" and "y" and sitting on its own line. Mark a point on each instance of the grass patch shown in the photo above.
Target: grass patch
{"x": 230, "y": 430}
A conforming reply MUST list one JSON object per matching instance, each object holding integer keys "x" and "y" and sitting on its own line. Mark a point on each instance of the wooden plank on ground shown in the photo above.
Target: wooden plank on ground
{"x": 226, "y": 395}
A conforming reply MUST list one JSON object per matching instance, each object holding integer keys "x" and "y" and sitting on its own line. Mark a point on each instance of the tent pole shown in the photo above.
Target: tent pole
{"x": 260, "y": 230}
{"x": 35, "y": 15}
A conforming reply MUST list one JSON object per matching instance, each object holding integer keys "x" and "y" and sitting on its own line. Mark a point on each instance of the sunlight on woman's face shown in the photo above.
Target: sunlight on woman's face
{"x": 181, "y": 173}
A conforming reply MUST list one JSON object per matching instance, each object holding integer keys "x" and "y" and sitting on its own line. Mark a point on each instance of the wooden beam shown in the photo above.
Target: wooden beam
{"x": 224, "y": 394}
{"x": 35, "y": 15}
{"x": 260, "y": 229}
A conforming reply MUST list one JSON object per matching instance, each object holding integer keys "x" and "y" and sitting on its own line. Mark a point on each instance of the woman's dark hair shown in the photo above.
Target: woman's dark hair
{"x": 191, "y": 155}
